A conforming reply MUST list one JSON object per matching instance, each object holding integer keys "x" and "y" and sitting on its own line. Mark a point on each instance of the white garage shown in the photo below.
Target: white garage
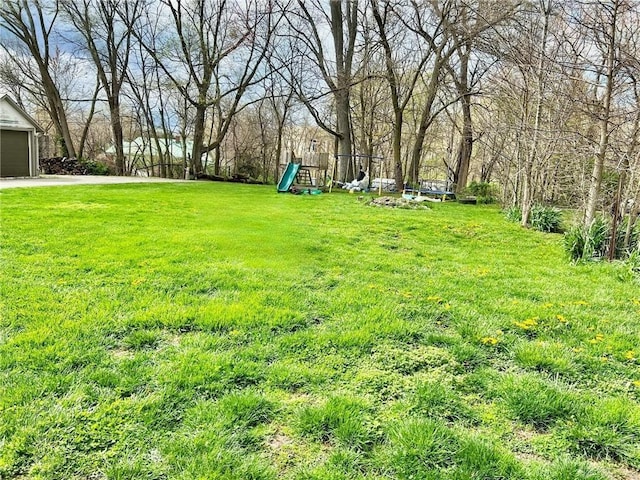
{"x": 18, "y": 141}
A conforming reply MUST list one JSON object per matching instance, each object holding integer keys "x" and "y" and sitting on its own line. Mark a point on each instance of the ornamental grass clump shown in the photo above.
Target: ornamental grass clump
{"x": 587, "y": 243}
{"x": 546, "y": 219}
{"x": 541, "y": 218}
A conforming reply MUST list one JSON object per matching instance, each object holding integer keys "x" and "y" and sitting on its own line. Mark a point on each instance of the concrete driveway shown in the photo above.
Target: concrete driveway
{"x": 56, "y": 180}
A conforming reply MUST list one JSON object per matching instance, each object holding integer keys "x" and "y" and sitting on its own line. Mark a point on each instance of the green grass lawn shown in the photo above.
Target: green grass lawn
{"x": 218, "y": 331}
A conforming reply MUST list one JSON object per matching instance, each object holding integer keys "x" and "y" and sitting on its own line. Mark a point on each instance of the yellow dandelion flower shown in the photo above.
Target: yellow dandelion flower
{"x": 630, "y": 355}
{"x": 434, "y": 298}
{"x": 447, "y": 306}
{"x": 547, "y": 305}
{"x": 580, "y": 302}
{"x": 489, "y": 340}
{"x": 578, "y": 350}
{"x": 561, "y": 318}
{"x": 528, "y": 324}
{"x": 636, "y": 383}
{"x": 636, "y": 302}
{"x": 597, "y": 339}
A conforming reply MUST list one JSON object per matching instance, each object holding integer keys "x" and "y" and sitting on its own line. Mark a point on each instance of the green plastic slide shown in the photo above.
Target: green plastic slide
{"x": 288, "y": 177}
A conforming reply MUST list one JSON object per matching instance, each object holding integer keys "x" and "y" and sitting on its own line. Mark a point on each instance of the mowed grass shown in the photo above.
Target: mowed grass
{"x": 219, "y": 331}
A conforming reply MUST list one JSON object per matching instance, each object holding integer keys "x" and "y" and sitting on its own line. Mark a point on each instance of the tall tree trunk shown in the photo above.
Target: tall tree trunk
{"x": 605, "y": 116}
{"x": 527, "y": 185}
{"x": 343, "y": 89}
{"x": 426, "y": 119}
{"x": 118, "y": 135}
{"x": 397, "y": 150}
{"x": 466, "y": 140}
{"x": 466, "y": 146}
{"x": 198, "y": 139}
{"x": 92, "y": 110}
{"x": 345, "y": 169}
{"x": 59, "y": 117}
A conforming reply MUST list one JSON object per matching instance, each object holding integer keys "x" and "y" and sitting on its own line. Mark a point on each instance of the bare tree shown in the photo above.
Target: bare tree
{"x": 32, "y": 24}
{"x": 545, "y": 8}
{"x": 601, "y": 22}
{"x": 107, "y": 40}
{"x": 318, "y": 63}
{"x": 402, "y": 73}
{"x": 475, "y": 25}
{"x": 212, "y": 52}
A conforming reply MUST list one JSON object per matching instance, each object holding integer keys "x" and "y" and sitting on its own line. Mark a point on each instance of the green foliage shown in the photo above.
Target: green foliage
{"x": 587, "y": 243}
{"x": 546, "y": 219}
{"x": 409, "y": 360}
{"x": 246, "y": 408}
{"x": 632, "y": 264}
{"x": 541, "y": 218}
{"x": 485, "y": 192}
{"x": 513, "y": 214}
{"x": 94, "y": 168}
{"x": 575, "y": 241}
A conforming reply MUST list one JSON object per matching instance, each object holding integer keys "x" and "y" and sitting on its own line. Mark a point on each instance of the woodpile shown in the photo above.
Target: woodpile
{"x": 62, "y": 166}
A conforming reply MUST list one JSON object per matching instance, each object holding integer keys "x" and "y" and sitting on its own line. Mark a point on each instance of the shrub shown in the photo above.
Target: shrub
{"x": 483, "y": 191}
{"x": 546, "y": 219}
{"x": 574, "y": 242}
{"x": 634, "y": 238}
{"x": 94, "y": 168}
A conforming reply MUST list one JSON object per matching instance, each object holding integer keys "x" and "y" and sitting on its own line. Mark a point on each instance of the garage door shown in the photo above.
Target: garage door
{"x": 14, "y": 153}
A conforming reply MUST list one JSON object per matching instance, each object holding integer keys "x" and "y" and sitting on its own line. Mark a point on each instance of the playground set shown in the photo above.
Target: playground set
{"x": 305, "y": 174}
{"x": 308, "y": 175}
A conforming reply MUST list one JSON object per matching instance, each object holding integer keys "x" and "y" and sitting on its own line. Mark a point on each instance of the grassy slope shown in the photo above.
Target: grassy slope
{"x": 224, "y": 331}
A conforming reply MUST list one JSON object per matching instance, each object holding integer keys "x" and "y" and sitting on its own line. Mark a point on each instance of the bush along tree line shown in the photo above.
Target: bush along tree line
{"x": 540, "y": 97}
